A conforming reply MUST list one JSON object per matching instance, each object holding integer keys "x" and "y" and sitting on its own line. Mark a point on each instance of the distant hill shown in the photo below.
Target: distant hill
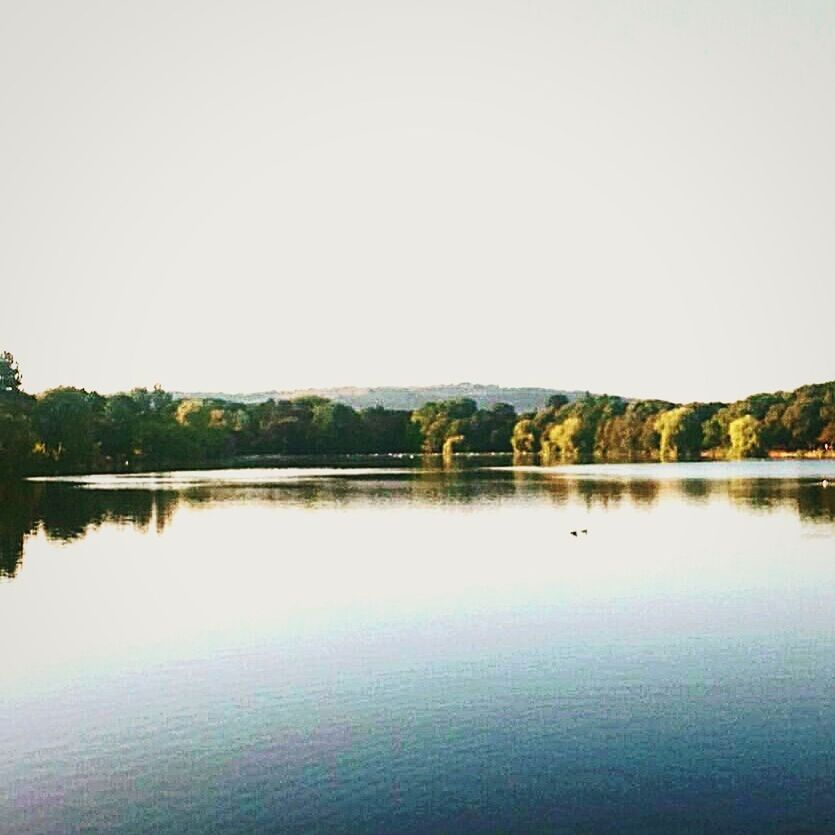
{"x": 522, "y": 399}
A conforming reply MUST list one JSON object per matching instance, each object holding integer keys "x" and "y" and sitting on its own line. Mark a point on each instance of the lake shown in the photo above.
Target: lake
{"x": 390, "y": 646}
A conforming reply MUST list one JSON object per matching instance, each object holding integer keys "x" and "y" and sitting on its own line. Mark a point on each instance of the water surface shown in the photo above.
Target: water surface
{"x": 413, "y": 649}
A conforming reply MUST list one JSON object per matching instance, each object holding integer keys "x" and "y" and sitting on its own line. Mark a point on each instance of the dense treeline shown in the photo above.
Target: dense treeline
{"x": 614, "y": 429}
{"x": 68, "y": 429}
{"x": 73, "y": 430}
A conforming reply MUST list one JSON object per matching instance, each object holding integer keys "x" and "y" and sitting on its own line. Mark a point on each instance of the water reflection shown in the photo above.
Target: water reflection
{"x": 811, "y": 500}
{"x": 18, "y": 519}
{"x": 66, "y": 511}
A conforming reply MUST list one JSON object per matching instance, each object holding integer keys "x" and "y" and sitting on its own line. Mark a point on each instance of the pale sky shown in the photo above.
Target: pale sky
{"x": 633, "y": 198}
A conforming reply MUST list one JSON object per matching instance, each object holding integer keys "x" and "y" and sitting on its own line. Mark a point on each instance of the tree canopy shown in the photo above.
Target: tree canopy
{"x": 74, "y": 430}
{"x": 10, "y": 380}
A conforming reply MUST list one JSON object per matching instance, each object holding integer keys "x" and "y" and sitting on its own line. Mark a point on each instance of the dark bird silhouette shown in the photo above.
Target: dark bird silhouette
{"x": 573, "y": 533}
{"x": 585, "y": 530}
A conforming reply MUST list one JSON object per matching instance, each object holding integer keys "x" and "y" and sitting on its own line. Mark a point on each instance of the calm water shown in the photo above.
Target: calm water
{"x": 406, "y": 649}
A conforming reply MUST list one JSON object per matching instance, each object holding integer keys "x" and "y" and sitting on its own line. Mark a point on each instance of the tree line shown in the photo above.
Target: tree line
{"x": 607, "y": 428}
{"x": 72, "y": 430}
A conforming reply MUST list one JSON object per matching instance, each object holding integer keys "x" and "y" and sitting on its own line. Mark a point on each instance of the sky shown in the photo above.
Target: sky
{"x": 635, "y": 198}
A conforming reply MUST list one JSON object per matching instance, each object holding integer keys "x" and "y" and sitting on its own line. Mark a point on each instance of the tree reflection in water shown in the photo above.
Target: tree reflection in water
{"x": 66, "y": 511}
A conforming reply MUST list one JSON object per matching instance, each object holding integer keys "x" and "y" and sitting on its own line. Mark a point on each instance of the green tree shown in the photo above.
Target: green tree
{"x": 562, "y": 442}
{"x": 827, "y": 435}
{"x": 10, "y": 379}
{"x": 680, "y": 434}
{"x": 744, "y": 433}
{"x": 16, "y": 436}
{"x": 119, "y": 429}
{"x": 438, "y": 421}
{"x": 17, "y": 441}
{"x": 525, "y": 440}
{"x": 802, "y": 419}
{"x": 489, "y": 430}
{"x": 337, "y": 428}
{"x": 389, "y": 430}
{"x": 64, "y": 421}
{"x": 631, "y": 434}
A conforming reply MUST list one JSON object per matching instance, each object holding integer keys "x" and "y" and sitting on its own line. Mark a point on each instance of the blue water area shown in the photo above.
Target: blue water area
{"x": 424, "y": 650}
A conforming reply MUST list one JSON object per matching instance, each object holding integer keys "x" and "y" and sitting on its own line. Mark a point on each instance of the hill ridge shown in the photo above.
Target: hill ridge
{"x": 522, "y": 398}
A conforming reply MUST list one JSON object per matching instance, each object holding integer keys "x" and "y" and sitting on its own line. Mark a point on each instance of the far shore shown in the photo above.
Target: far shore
{"x": 775, "y": 454}
{"x": 807, "y": 453}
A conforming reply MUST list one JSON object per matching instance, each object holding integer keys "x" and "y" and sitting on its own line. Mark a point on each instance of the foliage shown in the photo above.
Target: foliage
{"x": 562, "y": 442}
{"x": 480, "y": 430}
{"x": 745, "y": 437}
{"x": 631, "y": 435}
{"x": 64, "y": 420}
{"x": 611, "y": 429}
{"x": 525, "y": 437}
{"x": 10, "y": 380}
{"x": 73, "y": 430}
{"x": 680, "y": 434}
{"x": 17, "y": 440}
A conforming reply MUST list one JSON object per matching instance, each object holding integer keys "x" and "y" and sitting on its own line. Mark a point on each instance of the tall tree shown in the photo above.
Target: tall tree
{"x": 745, "y": 437}
{"x": 10, "y": 379}
{"x": 16, "y": 436}
{"x": 65, "y": 422}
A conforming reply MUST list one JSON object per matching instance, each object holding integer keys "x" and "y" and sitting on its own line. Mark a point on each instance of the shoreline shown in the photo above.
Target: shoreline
{"x": 813, "y": 454}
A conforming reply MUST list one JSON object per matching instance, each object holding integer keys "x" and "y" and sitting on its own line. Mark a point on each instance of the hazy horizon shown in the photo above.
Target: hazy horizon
{"x": 431, "y": 385}
{"x": 218, "y": 196}
{"x": 450, "y": 383}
